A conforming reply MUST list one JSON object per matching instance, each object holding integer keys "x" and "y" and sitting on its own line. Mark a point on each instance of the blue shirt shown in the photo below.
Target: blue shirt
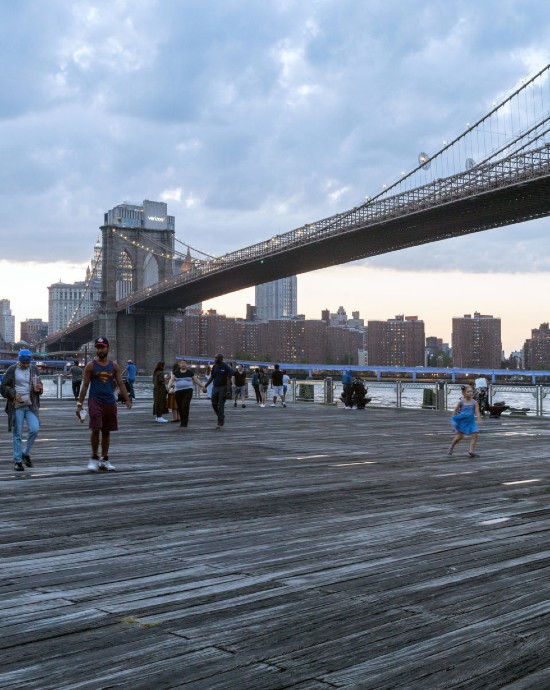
{"x": 347, "y": 377}
{"x": 131, "y": 370}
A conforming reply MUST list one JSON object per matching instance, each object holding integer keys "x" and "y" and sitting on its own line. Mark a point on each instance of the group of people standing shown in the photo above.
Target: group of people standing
{"x": 223, "y": 383}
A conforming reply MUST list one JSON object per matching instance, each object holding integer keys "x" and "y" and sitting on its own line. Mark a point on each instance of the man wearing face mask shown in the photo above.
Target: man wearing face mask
{"x": 22, "y": 387}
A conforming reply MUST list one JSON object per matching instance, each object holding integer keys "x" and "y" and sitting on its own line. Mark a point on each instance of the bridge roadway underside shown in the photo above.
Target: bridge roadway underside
{"x": 500, "y": 207}
{"x": 304, "y": 548}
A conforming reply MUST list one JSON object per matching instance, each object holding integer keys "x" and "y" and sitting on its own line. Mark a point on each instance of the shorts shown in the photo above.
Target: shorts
{"x": 103, "y": 416}
{"x": 278, "y": 390}
{"x": 238, "y": 391}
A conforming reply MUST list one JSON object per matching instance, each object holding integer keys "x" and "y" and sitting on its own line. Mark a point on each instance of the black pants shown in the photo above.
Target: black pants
{"x": 256, "y": 387}
{"x": 219, "y": 394}
{"x": 348, "y": 394}
{"x": 183, "y": 401}
{"x": 76, "y": 389}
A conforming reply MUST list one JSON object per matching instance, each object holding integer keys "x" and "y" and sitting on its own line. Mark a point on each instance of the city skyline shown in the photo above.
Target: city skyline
{"x": 248, "y": 121}
{"x": 234, "y": 306}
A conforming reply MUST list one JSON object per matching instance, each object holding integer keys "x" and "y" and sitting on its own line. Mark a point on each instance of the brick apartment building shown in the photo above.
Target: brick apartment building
{"x": 288, "y": 340}
{"x": 477, "y": 341}
{"x": 397, "y": 342}
{"x": 536, "y": 350}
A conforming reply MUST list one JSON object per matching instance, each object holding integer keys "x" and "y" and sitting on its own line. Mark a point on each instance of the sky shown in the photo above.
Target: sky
{"x": 253, "y": 117}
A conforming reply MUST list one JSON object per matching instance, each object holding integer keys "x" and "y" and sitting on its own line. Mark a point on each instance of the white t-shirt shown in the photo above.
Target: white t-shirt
{"x": 23, "y": 383}
{"x": 481, "y": 382}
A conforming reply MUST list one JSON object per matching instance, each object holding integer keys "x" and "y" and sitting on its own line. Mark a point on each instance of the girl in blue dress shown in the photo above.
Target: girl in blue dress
{"x": 464, "y": 421}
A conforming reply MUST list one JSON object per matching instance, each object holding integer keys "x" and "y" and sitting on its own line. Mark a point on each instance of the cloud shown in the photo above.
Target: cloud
{"x": 248, "y": 118}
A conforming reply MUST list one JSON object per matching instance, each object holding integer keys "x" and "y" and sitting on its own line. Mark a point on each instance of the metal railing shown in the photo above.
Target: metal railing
{"x": 438, "y": 395}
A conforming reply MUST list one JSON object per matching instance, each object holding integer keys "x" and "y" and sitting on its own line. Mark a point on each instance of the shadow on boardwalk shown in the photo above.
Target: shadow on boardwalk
{"x": 306, "y": 549}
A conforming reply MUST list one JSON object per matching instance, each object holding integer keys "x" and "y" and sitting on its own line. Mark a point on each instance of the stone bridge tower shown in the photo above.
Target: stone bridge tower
{"x": 138, "y": 246}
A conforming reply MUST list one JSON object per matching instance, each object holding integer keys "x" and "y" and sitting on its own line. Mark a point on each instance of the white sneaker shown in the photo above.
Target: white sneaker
{"x": 93, "y": 465}
{"x": 273, "y": 405}
{"x": 283, "y": 404}
{"x": 262, "y": 405}
{"x": 106, "y": 466}
{"x": 161, "y": 420}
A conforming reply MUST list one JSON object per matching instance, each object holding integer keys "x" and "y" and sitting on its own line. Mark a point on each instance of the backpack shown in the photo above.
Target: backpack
{"x": 264, "y": 381}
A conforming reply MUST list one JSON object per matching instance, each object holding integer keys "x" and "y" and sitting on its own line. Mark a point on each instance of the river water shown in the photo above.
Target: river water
{"x": 383, "y": 394}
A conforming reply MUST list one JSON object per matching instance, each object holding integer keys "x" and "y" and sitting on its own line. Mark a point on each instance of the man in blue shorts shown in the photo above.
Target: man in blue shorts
{"x": 100, "y": 375}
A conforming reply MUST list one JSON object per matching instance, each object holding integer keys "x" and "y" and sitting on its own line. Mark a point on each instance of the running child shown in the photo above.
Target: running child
{"x": 464, "y": 421}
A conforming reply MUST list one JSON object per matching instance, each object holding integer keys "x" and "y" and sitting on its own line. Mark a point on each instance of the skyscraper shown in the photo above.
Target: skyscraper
{"x": 7, "y": 321}
{"x": 277, "y": 300}
{"x": 68, "y": 301}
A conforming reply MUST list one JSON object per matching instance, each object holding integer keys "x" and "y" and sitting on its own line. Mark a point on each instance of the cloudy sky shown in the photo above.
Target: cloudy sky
{"x": 250, "y": 118}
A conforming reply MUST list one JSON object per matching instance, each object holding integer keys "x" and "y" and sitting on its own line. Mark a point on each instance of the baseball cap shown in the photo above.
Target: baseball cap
{"x": 24, "y": 356}
{"x": 129, "y": 361}
{"x": 101, "y": 341}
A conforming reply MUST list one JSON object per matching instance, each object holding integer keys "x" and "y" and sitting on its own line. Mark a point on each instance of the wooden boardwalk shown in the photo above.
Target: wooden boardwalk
{"x": 308, "y": 549}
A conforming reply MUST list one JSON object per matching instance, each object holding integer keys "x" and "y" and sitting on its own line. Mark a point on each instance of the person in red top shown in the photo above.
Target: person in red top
{"x": 100, "y": 375}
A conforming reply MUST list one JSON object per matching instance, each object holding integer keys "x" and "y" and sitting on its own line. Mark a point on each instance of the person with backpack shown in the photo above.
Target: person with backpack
{"x": 264, "y": 385}
{"x": 22, "y": 388}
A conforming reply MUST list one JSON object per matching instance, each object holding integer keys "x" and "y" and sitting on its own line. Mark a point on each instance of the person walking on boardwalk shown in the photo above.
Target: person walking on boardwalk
{"x": 220, "y": 376}
{"x": 130, "y": 373}
{"x": 181, "y": 382}
{"x": 277, "y": 386}
{"x": 160, "y": 394}
{"x": 256, "y": 385}
{"x": 75, "y": 372}
{"x": 239, "y": 385}
{"x": 22, "y": 387}
{"x": 464, "y": 421}
{"x": 100, "y": 376}
{"x": 264, "y": 385}
{"x": 286, "y": 384}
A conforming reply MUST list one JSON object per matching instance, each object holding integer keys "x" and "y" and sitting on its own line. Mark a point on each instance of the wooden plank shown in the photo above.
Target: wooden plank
{"x": 303, "y": 549}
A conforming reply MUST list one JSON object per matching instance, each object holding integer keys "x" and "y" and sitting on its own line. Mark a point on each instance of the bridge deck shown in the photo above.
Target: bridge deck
{"x": 306, "y": 549}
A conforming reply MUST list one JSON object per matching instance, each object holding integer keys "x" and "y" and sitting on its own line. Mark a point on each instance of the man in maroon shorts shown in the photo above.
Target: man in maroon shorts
{"x": 100, "y": 376}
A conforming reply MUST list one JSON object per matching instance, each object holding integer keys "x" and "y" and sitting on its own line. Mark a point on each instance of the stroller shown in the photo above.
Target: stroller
{"x": 482, "y": 398}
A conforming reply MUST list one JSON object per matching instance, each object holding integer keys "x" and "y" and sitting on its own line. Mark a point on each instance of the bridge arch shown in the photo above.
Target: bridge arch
{"x": 125, "y": 275}
{"x": 150, "y": 271}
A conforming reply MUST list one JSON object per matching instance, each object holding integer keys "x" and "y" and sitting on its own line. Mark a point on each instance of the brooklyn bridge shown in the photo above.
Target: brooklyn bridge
{"x": 495, "y": 173}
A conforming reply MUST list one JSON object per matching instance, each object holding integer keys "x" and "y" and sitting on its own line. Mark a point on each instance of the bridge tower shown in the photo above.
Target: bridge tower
{"x": 137, "y": 252}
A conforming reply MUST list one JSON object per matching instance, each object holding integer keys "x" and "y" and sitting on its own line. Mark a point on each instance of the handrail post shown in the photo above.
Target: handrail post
{"x": 328, "y": 391}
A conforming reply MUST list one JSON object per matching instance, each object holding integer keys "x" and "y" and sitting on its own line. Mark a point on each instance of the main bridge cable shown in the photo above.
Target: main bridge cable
{"x": 151, "y": 250}
{"x": 320, "y": 228}
{"x": 86, "y": 288}
{"x": 199, "y": 251}
{"x": 460, "y": 136}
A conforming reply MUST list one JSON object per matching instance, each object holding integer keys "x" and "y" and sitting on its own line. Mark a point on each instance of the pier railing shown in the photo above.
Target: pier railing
{"x": 437, "y": 395}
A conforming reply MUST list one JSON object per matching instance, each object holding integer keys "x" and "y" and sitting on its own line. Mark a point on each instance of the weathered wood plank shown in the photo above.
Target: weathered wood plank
{"x": 300, "y": 549}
